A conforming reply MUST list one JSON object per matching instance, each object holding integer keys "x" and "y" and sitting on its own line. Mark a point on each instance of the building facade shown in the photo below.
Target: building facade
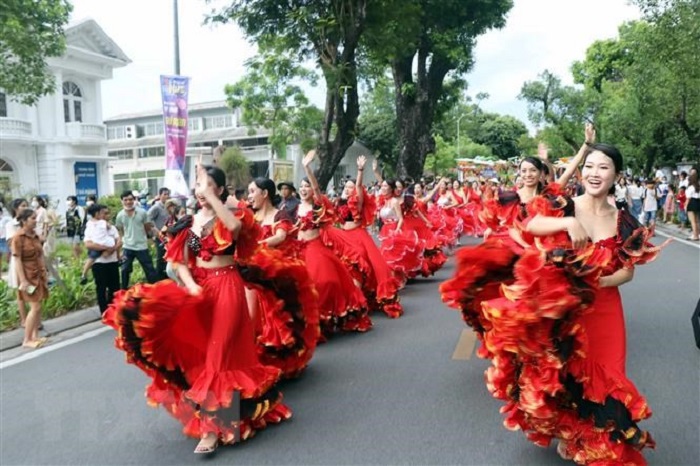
{"x": 136, "y": 148}
{"x": 58, "y": 147}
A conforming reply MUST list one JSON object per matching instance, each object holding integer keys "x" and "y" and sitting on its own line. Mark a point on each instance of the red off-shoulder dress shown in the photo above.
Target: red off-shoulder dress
{"x": 200, "y": 351}
{"x": 379, "y": 284}
{"x": 342, "y": 306}
{"x": 557, "y": 343}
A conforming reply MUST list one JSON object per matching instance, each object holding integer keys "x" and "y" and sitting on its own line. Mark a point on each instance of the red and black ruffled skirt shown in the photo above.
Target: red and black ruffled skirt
{"x": 200, "y": 354}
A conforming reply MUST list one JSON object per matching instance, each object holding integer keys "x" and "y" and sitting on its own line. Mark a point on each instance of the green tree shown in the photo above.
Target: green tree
{"x": 30, "y": 32}
{"x": 235, "y": 166}
{"x": 563, "y": 108}
{"x": 327, "y": 32}
{"x": 501, "y": 133}
{"x": 377, "y": 122}
{"x": 424, "y": 41}
{"x": 271, "y": 98}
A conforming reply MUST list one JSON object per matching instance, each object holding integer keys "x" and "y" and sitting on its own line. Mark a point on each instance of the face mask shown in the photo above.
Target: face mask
{"x": 35, "y": 204}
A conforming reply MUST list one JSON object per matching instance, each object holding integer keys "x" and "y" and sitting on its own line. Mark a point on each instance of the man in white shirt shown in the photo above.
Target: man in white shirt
{"x": 105, "y": 269}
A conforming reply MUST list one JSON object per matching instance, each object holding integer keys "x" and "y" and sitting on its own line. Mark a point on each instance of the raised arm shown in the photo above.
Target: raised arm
{"x": 361, "y": 160}
{"x": 207, "y": 188}
{"x": 576, "y": 161}
{"x": 306, "y": 163}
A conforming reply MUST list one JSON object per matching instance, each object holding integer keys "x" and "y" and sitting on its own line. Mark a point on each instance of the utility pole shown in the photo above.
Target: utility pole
{"x": 177, "y": 39}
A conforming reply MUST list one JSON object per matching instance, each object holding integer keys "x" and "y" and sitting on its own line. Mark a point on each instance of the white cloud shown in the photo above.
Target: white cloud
{"x": 539, "y": 34}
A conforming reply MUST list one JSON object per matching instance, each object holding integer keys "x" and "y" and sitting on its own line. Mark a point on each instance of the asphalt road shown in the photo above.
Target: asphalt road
{"x": 392, "y": 396}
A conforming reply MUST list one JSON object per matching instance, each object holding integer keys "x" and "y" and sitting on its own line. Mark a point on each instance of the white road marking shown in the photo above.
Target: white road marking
{"x": 465, "y": 345}
{"x": 31, "y": 354}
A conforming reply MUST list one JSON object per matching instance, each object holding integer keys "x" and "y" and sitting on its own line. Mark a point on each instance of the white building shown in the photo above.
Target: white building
{"x": 58, "y": 147}
{"x": 136, "y": 148}
{"x": 136, "y": 145}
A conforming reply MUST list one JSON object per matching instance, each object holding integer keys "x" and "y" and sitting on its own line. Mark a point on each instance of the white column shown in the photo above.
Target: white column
{"x": 58, "y": 106}
{"x": 98, "y": 102}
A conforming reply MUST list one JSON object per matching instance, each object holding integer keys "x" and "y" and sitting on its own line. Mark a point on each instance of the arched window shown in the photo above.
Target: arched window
{"x": 5, "y": 178}
{"x": 72, "y": 102}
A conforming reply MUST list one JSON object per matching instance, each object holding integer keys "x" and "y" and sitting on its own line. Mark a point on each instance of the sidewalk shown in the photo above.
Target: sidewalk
{"x": 13, "y": 338}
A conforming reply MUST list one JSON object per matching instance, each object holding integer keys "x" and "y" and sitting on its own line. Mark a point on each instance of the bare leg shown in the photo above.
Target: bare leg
{"x": 22, "y": 310}
{"x": 31, "y": 327}
{"x": 693, "y": 217}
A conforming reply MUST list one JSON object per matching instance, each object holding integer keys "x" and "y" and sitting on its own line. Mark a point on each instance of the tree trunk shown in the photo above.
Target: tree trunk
{"x": 415, "y": 139}
{"x": 338, "y": 63}
{"x": 416, "y": 101}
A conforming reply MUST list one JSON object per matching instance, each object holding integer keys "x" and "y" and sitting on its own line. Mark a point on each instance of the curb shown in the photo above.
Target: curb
{"x": 14, "y": 338}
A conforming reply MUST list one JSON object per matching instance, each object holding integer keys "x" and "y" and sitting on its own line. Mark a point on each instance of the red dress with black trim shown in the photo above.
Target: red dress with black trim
{"x": 199, "y": 351}
{"x": 342, "y": 306}
{"x": 402, "y": 249}
{"x": 433, "y": 256}
{"x": 288, "y": 316}
{"x": 557, "y": 342}
{"x": 379, "y": 284}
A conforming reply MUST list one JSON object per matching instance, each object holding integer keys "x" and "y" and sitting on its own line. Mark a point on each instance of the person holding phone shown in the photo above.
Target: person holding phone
{"x": 29, "y": 266}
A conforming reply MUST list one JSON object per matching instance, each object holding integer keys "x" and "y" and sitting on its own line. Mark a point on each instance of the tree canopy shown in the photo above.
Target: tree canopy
{"x": 270, "y": 97}
{"x": 30, "y": 32}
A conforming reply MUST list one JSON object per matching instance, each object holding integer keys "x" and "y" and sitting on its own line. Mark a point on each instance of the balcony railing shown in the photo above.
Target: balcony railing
{"x": 12, "y": 128}
{"x": 86, "y": 132}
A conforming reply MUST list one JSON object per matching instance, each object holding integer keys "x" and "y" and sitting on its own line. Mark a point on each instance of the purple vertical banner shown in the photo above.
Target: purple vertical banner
{"x": 174, "y": 90}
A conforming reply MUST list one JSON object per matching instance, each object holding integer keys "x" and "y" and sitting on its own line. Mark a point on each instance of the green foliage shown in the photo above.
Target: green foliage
{"x": 436, "y": 39}
{"x": 377, "y": 122}
{"x": 444, "y": 160}
{"x": 327, "y": 32}
{"x": 563, "y": 108}
{"x": 113, "y": 202}
{"x": 30, "y": 32}
{"x": 236, "y": 167}
{"x": 501, "y": 133}
{"x": 271, "y": 99}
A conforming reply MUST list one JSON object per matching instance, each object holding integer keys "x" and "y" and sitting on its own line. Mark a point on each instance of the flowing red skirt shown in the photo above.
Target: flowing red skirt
{"x": 200, "y": 354}
{"x": 384, "y": 295}
{"x": 433, "y": 257}
{"x": 287, "y": 310}
{"x": 342, "y": 306}
{"x": 402, "y": 250}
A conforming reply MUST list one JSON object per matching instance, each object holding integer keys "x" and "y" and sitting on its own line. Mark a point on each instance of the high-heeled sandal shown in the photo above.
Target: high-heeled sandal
{"x": 201, "y": 449}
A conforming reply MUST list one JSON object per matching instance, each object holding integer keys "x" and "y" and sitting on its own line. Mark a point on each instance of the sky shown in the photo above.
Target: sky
{"x": 539, "y": 35}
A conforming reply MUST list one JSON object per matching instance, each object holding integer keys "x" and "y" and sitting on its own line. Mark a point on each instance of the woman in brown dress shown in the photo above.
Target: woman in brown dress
{"x": 30, "y": 269}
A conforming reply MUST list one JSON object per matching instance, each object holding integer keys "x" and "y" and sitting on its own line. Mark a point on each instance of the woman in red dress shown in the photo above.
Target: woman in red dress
{"x": 575, "y": 367}
{"x": 415, "y": 215}
{"x": 197, "y": 342}
{"x": 342, "y": 306}
{"x": 287, "y": 323}
{"x": 355, "y": 212}
{"x": 400, "y": 246}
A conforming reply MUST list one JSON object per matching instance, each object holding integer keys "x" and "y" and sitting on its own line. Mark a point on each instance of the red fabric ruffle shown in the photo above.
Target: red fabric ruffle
{"x": 342, "y": 306}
